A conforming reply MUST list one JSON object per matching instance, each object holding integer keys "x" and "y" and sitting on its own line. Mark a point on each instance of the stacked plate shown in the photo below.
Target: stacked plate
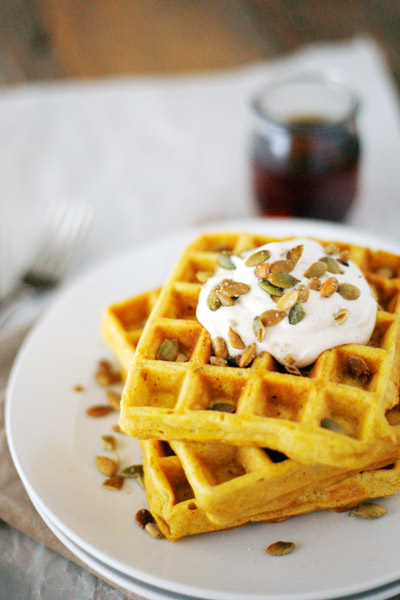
{"x": 53, "y": 443}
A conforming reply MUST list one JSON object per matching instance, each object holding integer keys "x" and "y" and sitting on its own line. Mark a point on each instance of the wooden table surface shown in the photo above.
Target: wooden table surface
{"x": 51, "y": 39}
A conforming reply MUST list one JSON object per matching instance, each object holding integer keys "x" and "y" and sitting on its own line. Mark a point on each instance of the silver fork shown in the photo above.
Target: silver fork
{"x": 57, "y": 251}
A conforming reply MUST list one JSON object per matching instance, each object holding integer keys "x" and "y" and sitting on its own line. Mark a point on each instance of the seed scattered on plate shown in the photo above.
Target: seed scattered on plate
{"x": 113, "y": 483}
{"x": 144, "y": 516}
{"x": 99, "y": 410}
{"x": 106, "y": 374}
{"x": 370, "y": 510}
{"x": 280, "y": 548}
{"x": 106, "y": 466}
{"x": 108, "y": 442}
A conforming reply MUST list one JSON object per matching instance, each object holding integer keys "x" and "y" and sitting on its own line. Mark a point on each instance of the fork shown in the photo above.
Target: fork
{"x": 57, "y": 251}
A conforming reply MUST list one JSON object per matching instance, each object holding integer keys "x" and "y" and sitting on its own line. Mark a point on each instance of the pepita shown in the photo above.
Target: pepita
{"x": 248, "y": 356}
{"x": 341, "y": 316}
{"x": 220, "y": 348}
{"x": 168, "y": 350}
{"x": 235, "y": 288}
{"x": 358, "y": 367}
{"x": 281, "y": 266}
{"x": 314, "y": 284}
{"x": 222, "y": 407}
{"x": 296, "y": 313}
{"x": 217, "y": 361}
{"x": 270, "y": 289}
{"x": 331, "y": 249}
{"x": 99, "y": 410}
{"x": 288, "y": 300}
{"x": 262, "y": 271}
{"x": 225, "y": 261}
{"x": 153, "y": 531}
{"x": 108, "y": 442}
{"x": 144, "y": 516}
{"x": 106, "y": 374}
{"x": 257, "y": 258}
{"x": 235, "y": 340}
{"x": 203, "y": 276}
{"x": 348, "y": 291}
{"x": 224, "y": 298}
{"x": 294, "y": 254}
{"x": 132, "y": 471}
{"x": 303, "y": 292}
{"x": 181, "y": 357}
{"x": 107, "y": 466}
{"x": 272, "y": 317}
{"x": 317, "y": 269}
{"x": 259, "y": 329}
{"x": 113, "y": 483}
{"x": 282, "y": 280}
{"x": 290, "y": 366}
{"x": 280, "y": 548}
{"x": 370, "y": 510}
{"x": 333, "y": 426}
{"x": 332, "y": 265}
{"x": 344, "y": 257}
{"x": 329, "y": 287}
{"x": 213, "y": 302}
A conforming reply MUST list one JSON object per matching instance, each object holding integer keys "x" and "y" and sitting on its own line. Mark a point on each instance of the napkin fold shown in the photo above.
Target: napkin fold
{"x": 16, "y": 509}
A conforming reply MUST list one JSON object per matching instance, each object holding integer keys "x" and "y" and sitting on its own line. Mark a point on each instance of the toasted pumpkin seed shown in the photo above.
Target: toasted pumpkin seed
{"x": 107, "y": 466}
{"x": 348, "y": 291}
{"x": 225, "y": 299}
{"x": 222, "y": 407}
{"x": 213, "y": 302}
{"x": 262, "y": 271}
{"x": 259, "y": 329}
{"x": 99, "y": 410}
{"x": 303, "y": 292}
{"x": 144, "y": 516}
{"x": 235, "y": 288}
{"x": 203, "y": 276}
{"x": 333, "y": 426}
{"x": 317, "y": 269}
{"x": 281, "y": 266}
{"x": 280, "y": 548}
{"x": 108, "y": 442}
{"x": 270, "y": 289}
{"x": 294, "y": 253}
{"x": 332, "y": 265}
{"x": 217, "y": 361}
{"x": 272, "y": 317}
{"x": 220, "y": 347}
{"x": 248, "y": 356}
{"x": 106, "y": 374}
{"x": 331, "y": 249}
{"x": 297, "y": 313}
{"x": 257, "y": 258}
{"x": 357, "y": 366}
{"x": 235, "y": 340}
{"x": 329, "y": 287}
{"x": 344, "y": 256}
{"x": 290, "y": 366}
{"x": 341, "y": 316}
{"x": 132, "y": 471}
{"x": 225, "y": 261}
{"x": 117, "y": 429}
{"x": 168, "y": 350}
{"x": 153, "y": 531}
{"x": 282, "y": 280}
{"x": 114, "y": 483}
{"x": 314, "y": 284}
{"x": 370, "y": 510}
{"x": 288, "y": 300}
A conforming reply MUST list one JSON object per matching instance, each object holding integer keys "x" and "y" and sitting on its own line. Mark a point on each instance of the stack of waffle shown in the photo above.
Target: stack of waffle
{"x": 276, "y": 453}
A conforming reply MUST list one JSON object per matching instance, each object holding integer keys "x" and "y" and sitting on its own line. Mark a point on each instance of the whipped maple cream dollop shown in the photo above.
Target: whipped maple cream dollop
{"x": 293, "y": 299}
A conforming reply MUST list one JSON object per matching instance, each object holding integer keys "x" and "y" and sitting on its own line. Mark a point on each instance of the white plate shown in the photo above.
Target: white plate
{"x": 53, "y": 444}
{"x": 152, "y": 593}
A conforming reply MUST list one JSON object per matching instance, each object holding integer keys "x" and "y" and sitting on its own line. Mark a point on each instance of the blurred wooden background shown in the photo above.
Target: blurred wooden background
{"x": 50, "y": 39}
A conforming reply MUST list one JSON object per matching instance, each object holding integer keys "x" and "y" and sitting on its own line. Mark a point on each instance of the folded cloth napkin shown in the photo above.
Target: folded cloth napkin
{"x": 16, "y": 508}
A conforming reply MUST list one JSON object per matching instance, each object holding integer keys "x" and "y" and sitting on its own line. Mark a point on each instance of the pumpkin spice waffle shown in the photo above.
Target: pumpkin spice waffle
{"x": 229, "y": 484}
{"x": 171, "y": 399}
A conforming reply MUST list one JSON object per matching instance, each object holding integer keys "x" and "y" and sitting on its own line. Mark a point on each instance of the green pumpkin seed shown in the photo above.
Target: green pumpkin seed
{"x": 282, "y": 280}
{"x": 281, "y": 266}
{"x": 331, "y": 249}
{"x": 296, "y": 313}
{"x": 317, "y": 269}
{"x": 294, "y": 253}
{"x": 280, "y": 548}
{"x": 224, "y": 260}
{"x": 333, "y": 426}
{"x": 270, "y": 289}
{"x": 259, "y": 329}
{"x": 223, "y": 407}
{"x": 168, "y": 350}
{"x": 348, "y": 291}
{"x": 370, "y": 510}
{"x": 132, "y": 471}
{"x": 213, "y": 302}
{"x": 257, "y": 258}
{"x": 235, "y": 288}
{"x": 332, "y": 264}
{"x": 108, "y": 442}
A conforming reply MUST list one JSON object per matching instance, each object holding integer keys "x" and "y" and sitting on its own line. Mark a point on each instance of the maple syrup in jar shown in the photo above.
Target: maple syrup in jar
{"x": 305, "y": 149}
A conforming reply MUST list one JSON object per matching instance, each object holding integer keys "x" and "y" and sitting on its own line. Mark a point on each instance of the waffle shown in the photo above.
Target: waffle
{"x": 178, "y": 514}
{"x": 230, "y": 484}
{"x": 274, "y": 409}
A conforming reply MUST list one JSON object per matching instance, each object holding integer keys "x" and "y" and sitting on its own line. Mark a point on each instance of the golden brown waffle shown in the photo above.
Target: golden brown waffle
{"x": 177, "y": 512}
{"x": 229, "y": 483}
{"x": 274, "y": 409}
